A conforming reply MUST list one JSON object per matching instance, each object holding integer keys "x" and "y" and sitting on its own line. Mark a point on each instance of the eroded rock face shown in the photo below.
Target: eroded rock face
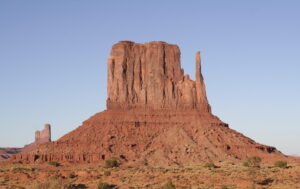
{"x": 155, "y": 116}
{"x": 151, "y": 137}
{"x": 150, "y": 76}
{"x": 43, "y": 135}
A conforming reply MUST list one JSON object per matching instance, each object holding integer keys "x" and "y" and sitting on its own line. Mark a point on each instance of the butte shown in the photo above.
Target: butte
{"x": 156, "y": 115}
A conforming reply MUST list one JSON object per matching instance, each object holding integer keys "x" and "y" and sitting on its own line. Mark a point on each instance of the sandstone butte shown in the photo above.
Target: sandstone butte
{"x": 41, "y": 137}
{"x": 156, "y": 115}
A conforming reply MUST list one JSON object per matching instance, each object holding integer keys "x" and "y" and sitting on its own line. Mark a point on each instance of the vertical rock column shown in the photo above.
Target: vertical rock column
{"x": 202, "y": 102}
{"x": 47, "y": 133}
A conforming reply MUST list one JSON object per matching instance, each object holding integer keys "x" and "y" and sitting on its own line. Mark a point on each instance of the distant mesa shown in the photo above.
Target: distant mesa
{"x": 41, "y": 137}
{"x": 156, "y": 115}
{"x": 5, "y": 153}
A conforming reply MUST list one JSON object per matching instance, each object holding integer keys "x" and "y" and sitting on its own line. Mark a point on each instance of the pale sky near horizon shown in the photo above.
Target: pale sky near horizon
{"x": 53, "y": 61}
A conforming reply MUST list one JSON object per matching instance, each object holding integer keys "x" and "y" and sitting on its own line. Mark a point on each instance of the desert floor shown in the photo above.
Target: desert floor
{"x": 225, "y": 175}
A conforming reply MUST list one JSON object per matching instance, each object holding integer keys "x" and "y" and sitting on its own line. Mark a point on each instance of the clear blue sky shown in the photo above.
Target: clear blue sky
{"x": 53, "y": 61}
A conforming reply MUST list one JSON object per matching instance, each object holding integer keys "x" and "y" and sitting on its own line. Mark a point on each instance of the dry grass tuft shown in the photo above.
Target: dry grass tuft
{"x": 50, "y": 184}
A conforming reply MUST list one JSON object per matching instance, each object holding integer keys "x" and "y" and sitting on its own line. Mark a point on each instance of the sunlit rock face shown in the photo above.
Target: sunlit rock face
{"x": 150, "y": 76}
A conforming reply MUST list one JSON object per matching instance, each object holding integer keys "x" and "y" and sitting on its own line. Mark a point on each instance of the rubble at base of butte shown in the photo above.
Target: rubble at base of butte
{"x": 156, "y": 115}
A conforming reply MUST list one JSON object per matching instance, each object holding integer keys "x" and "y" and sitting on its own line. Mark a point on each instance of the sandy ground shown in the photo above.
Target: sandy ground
{"x": 226, "y": 176}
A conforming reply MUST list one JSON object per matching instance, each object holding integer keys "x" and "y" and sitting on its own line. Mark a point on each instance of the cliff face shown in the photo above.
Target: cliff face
{"x": 149, "y": 76}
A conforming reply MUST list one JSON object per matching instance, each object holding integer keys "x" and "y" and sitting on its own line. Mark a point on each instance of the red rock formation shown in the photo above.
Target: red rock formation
{"x": 43, "y": 135}
{"x": 156, "y": 116}
{"x": 151, "y": 137}
{"x": 149, "y": 76}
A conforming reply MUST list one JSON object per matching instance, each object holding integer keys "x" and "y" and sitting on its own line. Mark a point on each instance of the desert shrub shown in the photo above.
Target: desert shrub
{"x": 50, "y": 184}
{"x": 54, "y": 163}
{"x": 72, "y": 175}
{"x": 110, "y": 163}
{"x": 210, "y": 165}
{"x": 104, "y": 185}
{"x": 107, "y": 173}
{"x": 53, "y": 177}
{"x": 19, "y": 169}
{"x": 266, "y": 181}
{"x": 281, "y": 164}
{"x": 253, "y": 161}
{"x": 224, "y": 187}
{"x": 168, "y": 185}
{"x": 246, "y": 164}
{"x": 4, "y": 179}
